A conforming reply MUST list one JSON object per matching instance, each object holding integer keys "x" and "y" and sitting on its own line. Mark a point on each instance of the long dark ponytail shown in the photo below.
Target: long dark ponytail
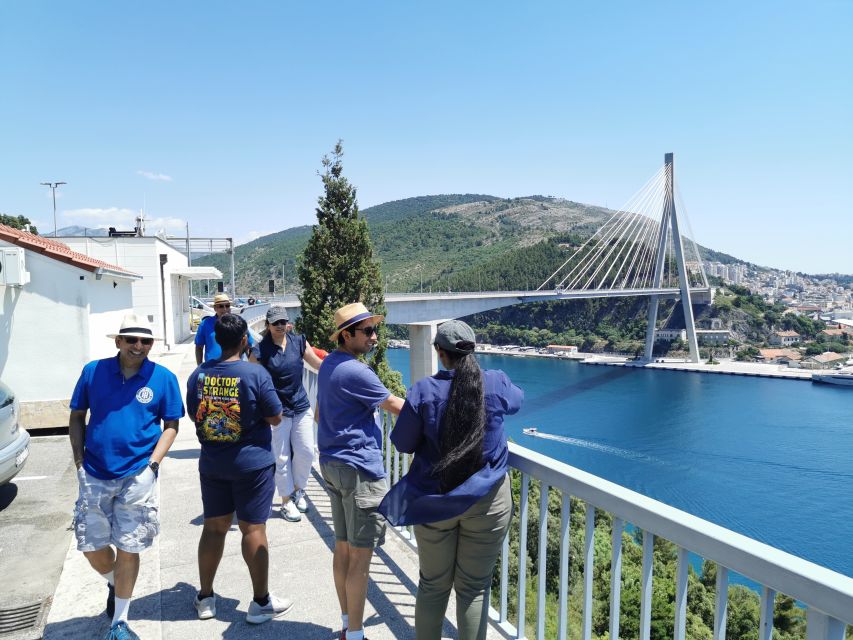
{"x": 464, "y": 424}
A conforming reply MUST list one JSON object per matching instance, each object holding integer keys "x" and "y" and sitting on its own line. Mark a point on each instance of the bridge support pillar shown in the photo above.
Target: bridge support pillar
{"x": 423, "y": 360}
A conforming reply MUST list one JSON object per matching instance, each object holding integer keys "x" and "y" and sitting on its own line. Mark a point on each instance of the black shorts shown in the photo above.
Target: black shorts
{"x": 250, "y": 494}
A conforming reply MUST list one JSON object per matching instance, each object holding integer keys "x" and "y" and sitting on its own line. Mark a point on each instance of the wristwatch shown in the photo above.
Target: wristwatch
{"x": 155, "y": 467}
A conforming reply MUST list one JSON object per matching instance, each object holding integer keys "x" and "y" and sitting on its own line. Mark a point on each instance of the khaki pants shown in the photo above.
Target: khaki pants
{"x": 460, "y": 553}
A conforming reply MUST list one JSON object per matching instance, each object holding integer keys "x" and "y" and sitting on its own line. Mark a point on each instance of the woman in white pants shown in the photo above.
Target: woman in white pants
{"x": 284, "y": 355}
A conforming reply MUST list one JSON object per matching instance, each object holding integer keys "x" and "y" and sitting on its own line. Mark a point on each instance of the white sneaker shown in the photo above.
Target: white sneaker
{"x": 206, "y": 608}
{"x": 289, "y": 512}
{"x": 301, "y": 502}
{"x": 273, "y": 609}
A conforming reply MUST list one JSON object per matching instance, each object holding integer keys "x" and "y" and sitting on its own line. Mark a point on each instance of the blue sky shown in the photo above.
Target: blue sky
{"x": 218, "y": 113}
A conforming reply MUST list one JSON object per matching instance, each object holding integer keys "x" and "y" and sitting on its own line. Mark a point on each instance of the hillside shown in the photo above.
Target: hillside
{"x": 428, "y": 239}
{"x": 454, "y": 241}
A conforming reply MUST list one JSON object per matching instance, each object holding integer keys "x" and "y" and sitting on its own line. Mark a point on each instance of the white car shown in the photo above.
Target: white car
{"x": 14, "y": 441}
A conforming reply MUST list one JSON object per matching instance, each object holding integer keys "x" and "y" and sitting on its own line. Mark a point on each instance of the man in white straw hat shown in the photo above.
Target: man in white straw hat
{"x": 134, "y": 406}
{"x": 350, "y": 443}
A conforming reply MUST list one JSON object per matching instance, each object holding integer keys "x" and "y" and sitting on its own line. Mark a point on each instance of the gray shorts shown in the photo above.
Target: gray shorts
{"x": 122, "y": 512}
{"x": 355, "y": 497}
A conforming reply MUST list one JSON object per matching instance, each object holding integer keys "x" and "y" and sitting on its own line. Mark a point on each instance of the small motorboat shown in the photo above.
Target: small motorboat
{"x": 529, "y": 431}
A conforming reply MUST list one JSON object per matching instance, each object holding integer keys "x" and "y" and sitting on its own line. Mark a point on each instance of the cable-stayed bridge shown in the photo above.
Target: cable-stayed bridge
{"x": 641, "y": 250}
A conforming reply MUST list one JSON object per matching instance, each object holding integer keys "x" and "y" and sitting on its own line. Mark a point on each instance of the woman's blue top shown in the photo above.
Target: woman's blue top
{"x": 285, "y": 367}
{"x": 417, "y": 499}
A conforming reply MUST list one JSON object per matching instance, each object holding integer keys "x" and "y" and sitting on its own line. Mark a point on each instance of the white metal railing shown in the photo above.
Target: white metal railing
{"x": 828, "y": 595}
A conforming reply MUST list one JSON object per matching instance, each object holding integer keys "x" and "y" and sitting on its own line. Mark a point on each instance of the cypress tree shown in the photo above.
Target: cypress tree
{"x": 338, "y": 266}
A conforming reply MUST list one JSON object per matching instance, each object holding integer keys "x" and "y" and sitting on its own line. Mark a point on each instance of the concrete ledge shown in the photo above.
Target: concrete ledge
{"x": 45, "y": 414}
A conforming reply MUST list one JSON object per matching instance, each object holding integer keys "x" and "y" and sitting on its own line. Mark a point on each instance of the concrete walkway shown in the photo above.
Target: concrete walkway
{"x": 300, "y": 567}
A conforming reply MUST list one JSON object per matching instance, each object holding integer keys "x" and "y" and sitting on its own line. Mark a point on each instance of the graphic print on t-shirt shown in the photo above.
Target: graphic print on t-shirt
{"x": 218, "y": 414}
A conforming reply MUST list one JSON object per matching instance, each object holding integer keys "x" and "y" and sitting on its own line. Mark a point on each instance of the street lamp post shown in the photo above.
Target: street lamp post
{"x": 53, "y": 186}
{"x": 420, "y": 269}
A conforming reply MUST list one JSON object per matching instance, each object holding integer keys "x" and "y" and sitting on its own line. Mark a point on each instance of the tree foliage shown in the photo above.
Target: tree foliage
{"x": 18, "y": 222}
{"x": 338, "y": 267}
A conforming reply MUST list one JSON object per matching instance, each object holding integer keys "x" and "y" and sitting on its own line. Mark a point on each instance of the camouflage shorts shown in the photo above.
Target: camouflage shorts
{"x": 123, "y": 512}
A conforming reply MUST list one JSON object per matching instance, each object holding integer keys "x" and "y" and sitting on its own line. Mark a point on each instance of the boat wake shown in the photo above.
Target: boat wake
{"x": 594, "y": 446}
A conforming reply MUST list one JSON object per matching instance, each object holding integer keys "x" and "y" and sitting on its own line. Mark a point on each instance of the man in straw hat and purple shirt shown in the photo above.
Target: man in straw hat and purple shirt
{"x": 134, "y": 406}
{"x": 350, "y": 442}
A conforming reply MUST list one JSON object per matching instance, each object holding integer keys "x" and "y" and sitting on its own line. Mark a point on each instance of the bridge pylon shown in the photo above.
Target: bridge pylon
{"x": 669, "y": 229}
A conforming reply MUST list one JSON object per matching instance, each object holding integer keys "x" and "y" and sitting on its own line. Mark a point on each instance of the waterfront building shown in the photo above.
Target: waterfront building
{"x": 789, "y": 357}
{"x": 561, "y": 348}
{"x": 826, "y": 360}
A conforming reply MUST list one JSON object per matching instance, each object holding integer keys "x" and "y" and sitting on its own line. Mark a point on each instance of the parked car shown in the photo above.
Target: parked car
{"x": 14, "y": 441}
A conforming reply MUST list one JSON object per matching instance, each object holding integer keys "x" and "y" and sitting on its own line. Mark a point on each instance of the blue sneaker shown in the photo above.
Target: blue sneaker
{"x": 120, "y": 631}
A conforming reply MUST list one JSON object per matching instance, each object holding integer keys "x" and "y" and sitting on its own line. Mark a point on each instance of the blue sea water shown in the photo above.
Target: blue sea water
{"x": 769, "y": 458}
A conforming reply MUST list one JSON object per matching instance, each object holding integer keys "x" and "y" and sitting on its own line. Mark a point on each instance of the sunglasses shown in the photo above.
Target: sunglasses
{"x": 133, "y": 340}
{"x": 222, "y": 306}
{"x": 368, "y": 331}
{"x": 280, "y": 323}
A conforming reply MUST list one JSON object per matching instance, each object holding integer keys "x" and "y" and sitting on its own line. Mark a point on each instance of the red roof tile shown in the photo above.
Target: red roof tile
{"x": 58, "y": 251}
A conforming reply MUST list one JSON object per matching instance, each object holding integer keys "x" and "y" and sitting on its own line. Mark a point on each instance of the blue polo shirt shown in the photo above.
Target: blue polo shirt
{"x": 417, "y": 498}
{"x": 348, "y": 393}
{"x": 205, "y": 336}
{"x": 124, "y": 415}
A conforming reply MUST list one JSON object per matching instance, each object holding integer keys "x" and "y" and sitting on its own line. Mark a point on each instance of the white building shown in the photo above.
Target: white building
{"x": 163, "y": 293}
{"x": 784, "y": 338}
{"x": 56, "y": 308}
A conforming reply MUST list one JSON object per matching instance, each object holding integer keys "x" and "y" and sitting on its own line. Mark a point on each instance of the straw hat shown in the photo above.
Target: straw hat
{"x": 135, "y": 326}
{"x": 221, "y": 297}
{"x": 351, "y": 314}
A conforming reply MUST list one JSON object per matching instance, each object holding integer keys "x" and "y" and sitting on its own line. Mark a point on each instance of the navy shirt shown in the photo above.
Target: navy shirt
{"x": 348, "y": 393}
{"x": 205, "y": 336}
{"x": 124, "y": 415}
{"x": 417, "y": 498}
{"x": 228, "y": 402}
{"x": 286, "y": 368}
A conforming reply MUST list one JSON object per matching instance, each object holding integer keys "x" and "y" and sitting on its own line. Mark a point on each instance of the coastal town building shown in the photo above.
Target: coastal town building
{"x": 784, "y": 338}
{"x": 556, "y": 349}
{"x": 826, "y": 360}
{"x": 59, "y": 302}
{"x": 788, "y": 357}
{"x": 713, "y": 336}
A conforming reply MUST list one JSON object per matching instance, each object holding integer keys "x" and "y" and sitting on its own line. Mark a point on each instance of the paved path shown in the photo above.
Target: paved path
{"x": 300, "y": 567}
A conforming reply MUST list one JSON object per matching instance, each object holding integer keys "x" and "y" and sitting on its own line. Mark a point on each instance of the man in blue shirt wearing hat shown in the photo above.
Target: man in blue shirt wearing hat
{"x": 206, "y": 346}
{"x": 134, "y": 406}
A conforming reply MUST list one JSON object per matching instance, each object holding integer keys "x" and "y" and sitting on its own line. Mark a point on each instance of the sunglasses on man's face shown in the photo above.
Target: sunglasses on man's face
{"x": 368, "y": 331}
{"x": 222, "y": 306}
{"x": 133, "y": 340}
{"x": 280, "y": 323}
